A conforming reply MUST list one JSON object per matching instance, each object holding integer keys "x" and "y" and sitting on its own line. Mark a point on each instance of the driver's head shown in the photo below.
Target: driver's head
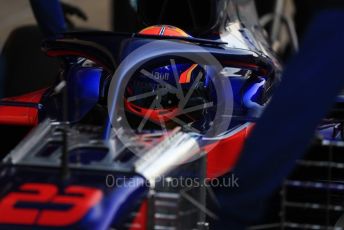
{"x": 194, "y": 16}
{"x": 159, "y": 93}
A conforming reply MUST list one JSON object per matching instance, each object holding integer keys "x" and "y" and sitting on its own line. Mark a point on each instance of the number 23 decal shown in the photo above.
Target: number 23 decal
{"x": 81, "y": 199}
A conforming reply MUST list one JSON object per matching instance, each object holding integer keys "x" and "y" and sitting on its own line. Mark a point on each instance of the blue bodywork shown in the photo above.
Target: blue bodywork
{"x": 90, "y": 61}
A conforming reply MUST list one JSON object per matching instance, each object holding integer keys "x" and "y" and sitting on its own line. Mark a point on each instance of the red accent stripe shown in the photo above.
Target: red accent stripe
{"x": 33, "y": 97}
{"x": 140, "y": 220}
{"x": 60, "y": 53}
{"x": 185, "y": 77}
{"x": 223, "y": 155}
{"x": 23, "y": 116}
{"x": 18, "y": 115}
{"x": 155, "y": 115}
{"x": 240, "y": 64}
